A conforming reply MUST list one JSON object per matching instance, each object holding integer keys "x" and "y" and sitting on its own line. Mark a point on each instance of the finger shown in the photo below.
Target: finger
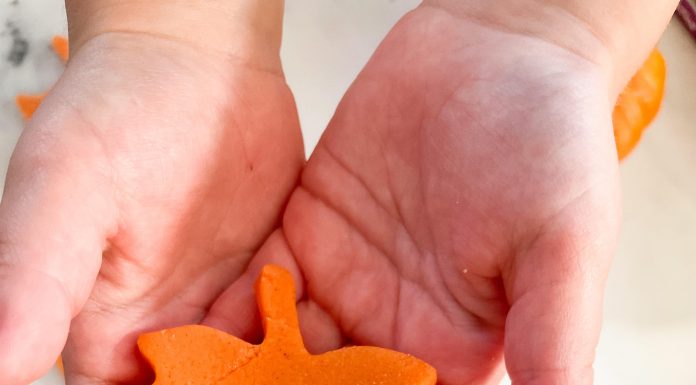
{"x": 557, "y": 290}
{"x": 236, "y": 311}
{"x": 54, "y": 219}
{"x": 320, "y": 331}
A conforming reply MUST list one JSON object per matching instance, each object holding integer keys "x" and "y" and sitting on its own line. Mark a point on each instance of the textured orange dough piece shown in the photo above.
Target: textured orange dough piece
{"x": 638, "y": 104}
{"x": 201, "y": 355}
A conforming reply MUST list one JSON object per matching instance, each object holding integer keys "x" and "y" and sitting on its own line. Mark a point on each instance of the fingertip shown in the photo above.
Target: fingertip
{"x": 575, "y": 376}
{"x": 551, "y": 341}
{"x": 320, "y": 331}
{"x": 34, "y": 322}
{"x": 236, "y": 310}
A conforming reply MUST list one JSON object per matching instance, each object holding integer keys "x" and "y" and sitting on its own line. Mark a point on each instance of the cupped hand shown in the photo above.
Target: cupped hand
{"x": 462, "y": 206}
{"x": 145, "y": 182}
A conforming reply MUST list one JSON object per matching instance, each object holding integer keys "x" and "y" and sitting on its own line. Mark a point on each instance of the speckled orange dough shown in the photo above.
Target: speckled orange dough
{"x": 202, "y": 355}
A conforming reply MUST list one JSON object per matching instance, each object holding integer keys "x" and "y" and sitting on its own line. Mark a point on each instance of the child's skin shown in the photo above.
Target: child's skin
{"x": 462, "y": 206}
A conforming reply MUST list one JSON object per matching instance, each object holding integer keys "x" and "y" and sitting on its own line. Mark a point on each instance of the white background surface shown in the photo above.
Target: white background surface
{"x": 649, "y": 335}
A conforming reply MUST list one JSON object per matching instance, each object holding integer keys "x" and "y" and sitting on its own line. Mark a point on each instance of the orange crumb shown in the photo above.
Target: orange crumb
{"x": 59, "y": 365}
{"x": 61, "y": 47}
{"x": 28, "y": 104}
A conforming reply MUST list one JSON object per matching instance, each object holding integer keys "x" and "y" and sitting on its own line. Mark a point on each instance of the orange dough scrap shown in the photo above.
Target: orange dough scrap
{"x": 638, "y": 103}
{"x": 59, "y": 365}
{"x": 61, "y": 47}
{"x": 201, "y": 355}
{"x": 28, "y": 104}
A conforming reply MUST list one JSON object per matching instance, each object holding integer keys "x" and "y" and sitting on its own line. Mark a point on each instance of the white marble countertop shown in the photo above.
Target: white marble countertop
{"x": 650, "y": 317}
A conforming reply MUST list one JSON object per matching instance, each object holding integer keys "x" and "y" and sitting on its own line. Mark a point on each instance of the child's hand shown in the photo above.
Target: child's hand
{"x": 174, "y": 159}
{"x": 462, "y": 206}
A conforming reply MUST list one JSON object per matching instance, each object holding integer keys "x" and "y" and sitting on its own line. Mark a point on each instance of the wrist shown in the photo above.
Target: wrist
{"x": 249, "y": 30}
{"x": 615, "y": 35}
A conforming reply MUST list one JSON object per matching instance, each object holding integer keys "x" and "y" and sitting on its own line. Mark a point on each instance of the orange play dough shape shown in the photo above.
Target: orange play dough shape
{"x": 638, "y": 103}
{"x": 201, "y": 355}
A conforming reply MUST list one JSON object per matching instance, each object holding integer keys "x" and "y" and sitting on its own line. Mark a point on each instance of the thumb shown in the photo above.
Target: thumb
{"x": 556, "y": 294}
{"x": 53, "y": 223}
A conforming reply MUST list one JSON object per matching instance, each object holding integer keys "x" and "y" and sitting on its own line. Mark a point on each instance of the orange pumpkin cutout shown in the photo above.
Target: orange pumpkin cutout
{"x": 638, "y": 103}
{"x": 202, "y": 355}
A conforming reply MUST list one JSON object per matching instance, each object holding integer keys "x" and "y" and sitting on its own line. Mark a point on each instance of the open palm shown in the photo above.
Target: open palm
{"x": 461, "y": 206}
{"x": 176, "y": 161}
